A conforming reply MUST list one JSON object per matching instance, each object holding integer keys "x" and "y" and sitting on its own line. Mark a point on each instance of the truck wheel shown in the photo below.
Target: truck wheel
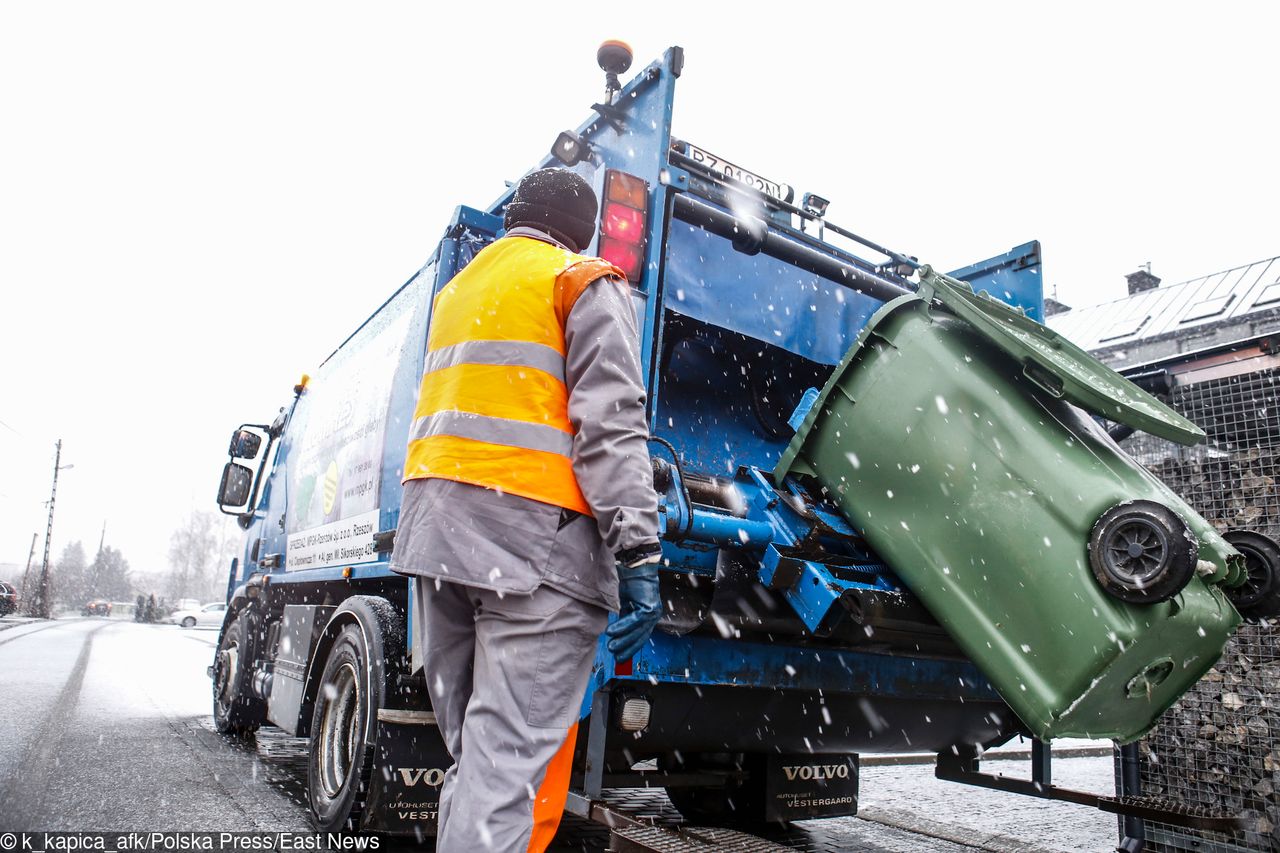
{"x": 737, "y": 805}
{"x": 340, "y": 756}
{"x": 236, "y": 710}
{"x": 1259, "y": 596}
{"x": 1142, "y": 552}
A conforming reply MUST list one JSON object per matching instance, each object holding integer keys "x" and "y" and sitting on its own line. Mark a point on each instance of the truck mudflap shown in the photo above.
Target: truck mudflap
{"x": 799, "y": 787}
{"x": 410, "y": 761}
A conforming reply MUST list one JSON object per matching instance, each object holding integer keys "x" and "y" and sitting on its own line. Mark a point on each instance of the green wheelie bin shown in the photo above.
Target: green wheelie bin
{"x": 958, "y": 437}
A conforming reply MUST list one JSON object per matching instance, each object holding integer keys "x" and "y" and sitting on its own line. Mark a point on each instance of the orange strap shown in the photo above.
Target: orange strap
{"x": 575, "y": 279}
{"x": 548, "y": 805}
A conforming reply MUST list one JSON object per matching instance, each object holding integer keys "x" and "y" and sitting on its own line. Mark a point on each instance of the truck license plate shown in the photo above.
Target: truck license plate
{"x": 722, "y": 167}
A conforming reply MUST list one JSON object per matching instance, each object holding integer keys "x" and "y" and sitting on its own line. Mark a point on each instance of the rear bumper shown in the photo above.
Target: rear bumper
{"x": 694, "y": 718}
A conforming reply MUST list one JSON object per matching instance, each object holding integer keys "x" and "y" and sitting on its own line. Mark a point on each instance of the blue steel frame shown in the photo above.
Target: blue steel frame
{"x": 637, "y": 143}
{"x": 1013, "y": 277}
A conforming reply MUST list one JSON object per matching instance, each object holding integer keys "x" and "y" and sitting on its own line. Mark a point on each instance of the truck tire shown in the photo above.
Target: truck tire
{"x": 737, "y": 805}
{"x": 236, "y": 710}
{"x": 340, "y": 751}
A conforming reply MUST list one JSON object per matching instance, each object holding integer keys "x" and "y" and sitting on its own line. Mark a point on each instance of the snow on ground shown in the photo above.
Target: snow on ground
{"x": 913, "y": 790}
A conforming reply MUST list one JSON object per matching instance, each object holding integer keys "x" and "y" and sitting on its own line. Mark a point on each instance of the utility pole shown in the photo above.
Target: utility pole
{"x": 40, "y": 603}
{"x": 26, "y": 575}
{"x": 97, "y": 560}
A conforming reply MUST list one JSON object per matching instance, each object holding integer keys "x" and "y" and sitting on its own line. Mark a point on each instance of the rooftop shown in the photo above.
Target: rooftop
{"x": 1247, "y": 296}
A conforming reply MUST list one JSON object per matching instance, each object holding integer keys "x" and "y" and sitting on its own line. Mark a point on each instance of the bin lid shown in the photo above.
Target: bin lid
{"x": 1057, "y": 365}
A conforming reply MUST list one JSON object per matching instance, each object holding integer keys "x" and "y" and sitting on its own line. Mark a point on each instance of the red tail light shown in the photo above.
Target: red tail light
{"x": 627, "y": 258}
{"x": 624, "y": 222}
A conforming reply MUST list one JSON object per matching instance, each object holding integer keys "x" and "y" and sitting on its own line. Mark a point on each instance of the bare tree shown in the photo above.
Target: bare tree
{"x": 196, "y": 556}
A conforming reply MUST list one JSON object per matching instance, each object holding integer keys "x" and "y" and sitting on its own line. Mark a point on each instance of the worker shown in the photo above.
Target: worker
{"x": 528, "y": 513}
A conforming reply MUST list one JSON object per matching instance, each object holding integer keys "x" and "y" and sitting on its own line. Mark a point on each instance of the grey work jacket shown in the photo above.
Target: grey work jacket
{"x": 480, "y": 537}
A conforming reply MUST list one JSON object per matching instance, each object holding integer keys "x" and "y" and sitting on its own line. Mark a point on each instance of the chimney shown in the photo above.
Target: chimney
{"x": 1142, "y": 280}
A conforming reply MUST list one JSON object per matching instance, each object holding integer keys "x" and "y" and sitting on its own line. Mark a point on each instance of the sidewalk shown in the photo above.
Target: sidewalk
{"x": 1017, "y": 749}
{"x": 910, "y": 796}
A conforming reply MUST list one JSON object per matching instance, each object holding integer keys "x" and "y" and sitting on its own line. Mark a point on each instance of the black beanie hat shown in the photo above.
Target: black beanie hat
{"x": 557, "y": 201}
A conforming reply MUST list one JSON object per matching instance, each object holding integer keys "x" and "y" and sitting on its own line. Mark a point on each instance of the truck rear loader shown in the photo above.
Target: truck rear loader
{"x": 937, "y": 551}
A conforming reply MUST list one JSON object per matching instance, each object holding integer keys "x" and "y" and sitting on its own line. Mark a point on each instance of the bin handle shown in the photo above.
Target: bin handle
{"x": 1042, "y": 377}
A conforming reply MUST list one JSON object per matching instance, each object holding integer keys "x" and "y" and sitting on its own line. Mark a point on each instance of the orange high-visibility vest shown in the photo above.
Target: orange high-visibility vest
{"x": 493, "y": 409}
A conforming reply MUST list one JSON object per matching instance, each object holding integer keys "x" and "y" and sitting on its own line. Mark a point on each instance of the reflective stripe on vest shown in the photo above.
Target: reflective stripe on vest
{"x": 493, "y": 406}
{"x": 510, "y": 353}
{"x": 510, "y": 433}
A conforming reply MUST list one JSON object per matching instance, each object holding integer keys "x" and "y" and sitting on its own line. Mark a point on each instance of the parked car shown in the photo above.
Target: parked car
{"x": 8, "y": 599}
{"x": 209, "y": 614}
{"x": 97, "y": 607}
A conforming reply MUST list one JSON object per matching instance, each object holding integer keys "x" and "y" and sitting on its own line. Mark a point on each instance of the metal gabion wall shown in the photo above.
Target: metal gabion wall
{"x": 1220, "y": 745}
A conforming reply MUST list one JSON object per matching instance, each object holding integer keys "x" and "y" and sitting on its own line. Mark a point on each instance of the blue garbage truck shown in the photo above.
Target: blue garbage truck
{"x": 788, "y": 645}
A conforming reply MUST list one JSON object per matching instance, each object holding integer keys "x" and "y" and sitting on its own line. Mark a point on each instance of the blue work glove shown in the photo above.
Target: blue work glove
{"x": 641, "y": 604}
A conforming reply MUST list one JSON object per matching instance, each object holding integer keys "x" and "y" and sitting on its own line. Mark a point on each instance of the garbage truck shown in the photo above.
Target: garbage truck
{"x": 891, "y": 520}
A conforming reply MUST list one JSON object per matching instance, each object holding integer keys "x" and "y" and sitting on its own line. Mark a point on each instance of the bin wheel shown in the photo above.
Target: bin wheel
{"x": 1142, "y": 552}
{"x": 1259, "y": 595}
{"x": 236, "y": 710}
{"x": 340, "y": 753}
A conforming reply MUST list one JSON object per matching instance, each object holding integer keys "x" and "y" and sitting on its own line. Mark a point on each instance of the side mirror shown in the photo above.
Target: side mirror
{"x": 244, "y": 445}
{"x": 237, "y": 483}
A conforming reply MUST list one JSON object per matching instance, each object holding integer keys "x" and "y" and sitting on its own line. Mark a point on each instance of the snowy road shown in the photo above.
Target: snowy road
{"x": 107, "y": 728}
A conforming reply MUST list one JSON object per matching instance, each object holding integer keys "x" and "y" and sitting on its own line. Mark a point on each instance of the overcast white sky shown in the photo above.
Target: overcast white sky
{"x": 200, "y": 201}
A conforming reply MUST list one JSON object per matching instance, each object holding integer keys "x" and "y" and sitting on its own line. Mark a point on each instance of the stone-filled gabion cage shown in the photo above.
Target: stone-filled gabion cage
{"x": 1220, "y": 745}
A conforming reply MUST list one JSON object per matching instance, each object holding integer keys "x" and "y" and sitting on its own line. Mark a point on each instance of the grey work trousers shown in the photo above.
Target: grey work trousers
{"x": 506, "y": 674}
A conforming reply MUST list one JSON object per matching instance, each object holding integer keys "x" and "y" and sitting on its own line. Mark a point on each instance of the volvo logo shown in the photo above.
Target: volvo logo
{"x": 432, "y": 776}
{"x": 810, "y": 772}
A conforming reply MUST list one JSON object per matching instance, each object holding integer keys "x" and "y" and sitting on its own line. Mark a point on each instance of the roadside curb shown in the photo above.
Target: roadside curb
{"x": 1012, "y": 755}
{"x": 976, "y": 838}
{"x": 21, "y": 620}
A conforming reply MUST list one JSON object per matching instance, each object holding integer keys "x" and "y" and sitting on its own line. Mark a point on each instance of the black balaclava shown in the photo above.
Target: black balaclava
{"x": 557, "y": 201}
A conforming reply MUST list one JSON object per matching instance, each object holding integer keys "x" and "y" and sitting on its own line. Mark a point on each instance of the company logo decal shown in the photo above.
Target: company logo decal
{"x": 810, "y": 772}
{"x": 432, "y": 776}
